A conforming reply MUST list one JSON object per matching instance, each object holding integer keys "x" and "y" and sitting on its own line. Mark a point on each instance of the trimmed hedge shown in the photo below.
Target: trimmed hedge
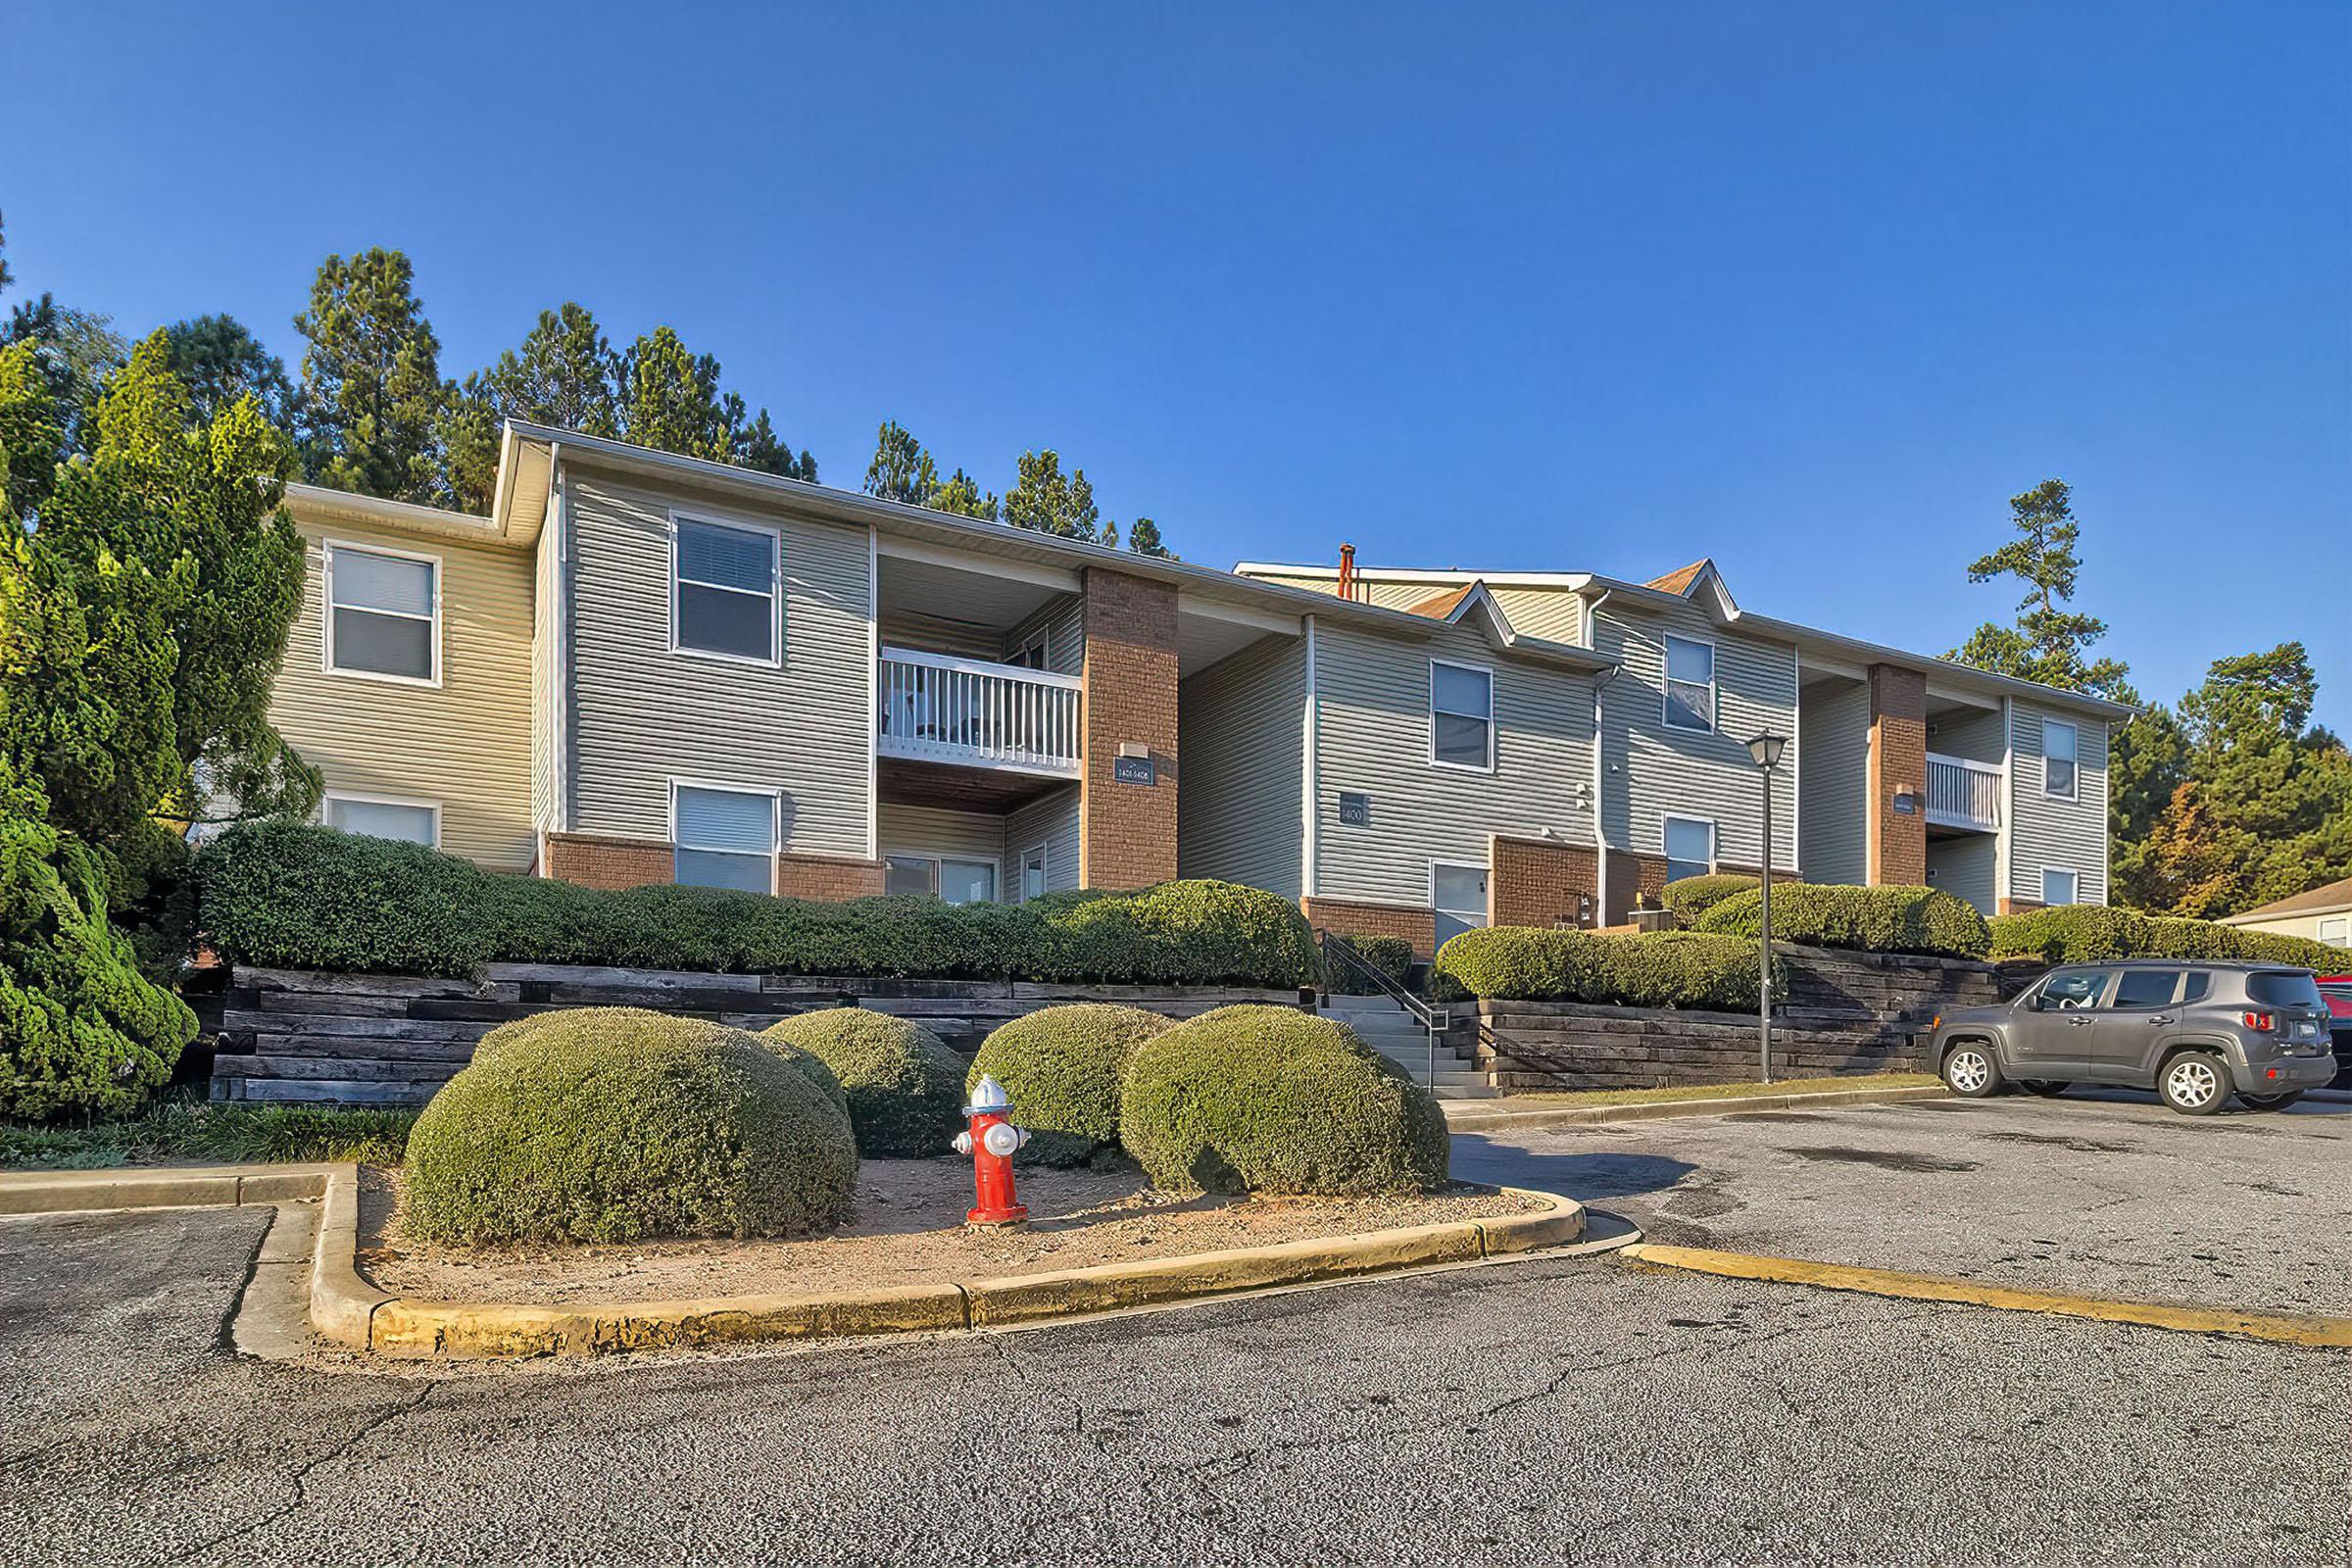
{"x": 1656, "y": 969}
{"x": 1391, "y": 955}
{"x": 1690, "y": 897}
{"x": 1062, "y": 1068}
{"x": 1261, "y": 1099}
{"x": 582, "y": 1021}
{"x": 293, "y": 896}
{"x": 2089, "y": 933}
{"x": 902, "y": 1084}
{"x": 611, "y": 1124}
{"x": 1879, "y": 920}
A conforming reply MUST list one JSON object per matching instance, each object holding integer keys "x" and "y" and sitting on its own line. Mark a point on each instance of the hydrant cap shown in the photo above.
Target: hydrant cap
{"x": 987, "y": 1096}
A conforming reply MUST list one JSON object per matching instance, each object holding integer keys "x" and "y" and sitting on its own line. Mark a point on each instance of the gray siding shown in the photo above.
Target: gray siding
{"x": 936, "y": 833}
{"x": 1063, "y": 622}
{"x": 1834, "y": 785}
{"x": 1051, "y": 821}
{"x": 647, "y": 715}
{"x": 1975, "y": 734}
{"x": 936, "y": 634}
{"x": 1967, "y": 869}
{"x": 1242, "y": 728}
{"x": 1653, "y": 772}
{"x": 2046, "y": 832}
{"x": 1373, "y": 735}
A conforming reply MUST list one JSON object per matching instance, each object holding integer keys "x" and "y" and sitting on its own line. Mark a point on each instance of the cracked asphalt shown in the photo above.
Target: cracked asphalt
{"x": 1564, "y": 1411}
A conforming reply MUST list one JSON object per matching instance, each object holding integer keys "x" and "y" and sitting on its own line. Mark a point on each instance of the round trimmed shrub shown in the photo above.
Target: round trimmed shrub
{"x": 1688, "y": 898}
{"x": 607, "y": 1124}
{"x": 1263, "y": 1098}
{"x": 583, "y": 1024}
{"x": 1062, "y": 1067}
{"x": 903, "y": 1086}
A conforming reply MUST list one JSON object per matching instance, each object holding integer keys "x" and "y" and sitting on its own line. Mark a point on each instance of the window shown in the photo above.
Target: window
{"x": 1689, "y": 847}
{"x": 2199, "y": 983}
{"x": 2286, "y": 988}
{"x": 1031, "y": 654}
{"x": 1689, "y": 684}
{"x": 1461, "y": 715}
{"x": 725, "y": 838}
{"x": 2057, "y": 886}
{"x": 383, "y": 614}
{"x": 410, "y": 821}
{"x": 2058, "y": 761}
{"x": 2337, "y": 933}
{"x": 955, "y": 881}
{"x": 2147, "y": 989}
{"x": 1033, "y": 874}
{"x": 1458, "y": 895}
{"x": 2071, "y": 990}
{"x": 725, "y": 591}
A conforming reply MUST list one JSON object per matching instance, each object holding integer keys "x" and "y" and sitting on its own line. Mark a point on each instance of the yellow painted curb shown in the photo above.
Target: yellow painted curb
{"x": 407, "y": 1328}
{"x": 341, "y": 1302}
{"x": 1557, "y": 1226}
{"x": 2281, "y": 1327}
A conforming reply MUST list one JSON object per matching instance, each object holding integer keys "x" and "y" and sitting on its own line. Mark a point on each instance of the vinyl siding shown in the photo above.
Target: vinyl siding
{"x": 1966, "y": 867}
{"x": 1062, "y": 619}
{"x": 1833, "y": 786}
{"x": 1652, "y": 772}
{"x": 1975, "y": 734}
{"x": 1241, "y": 724}
{"x": 1385, "y": 595}
{"x": 2044, "y": 832}
{"x": 1554, "y": 614}
{"x": 1051, "y": 820}
{"x": 546, "y": 687}
{"x": 1373, "y": 735}
{"x": 936, "y": 634}
{"x": 936, "y": 833}
{"x": 466, "y": 743}
{"x": 646, "y": 715}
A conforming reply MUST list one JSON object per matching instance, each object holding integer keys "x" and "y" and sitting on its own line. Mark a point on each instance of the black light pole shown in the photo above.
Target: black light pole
{"x": 1766, "y": 750}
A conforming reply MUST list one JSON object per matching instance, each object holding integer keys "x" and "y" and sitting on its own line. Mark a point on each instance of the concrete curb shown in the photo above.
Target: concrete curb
{"x": 2280, "y": 1328}
{"x": 1479, "y": 1118}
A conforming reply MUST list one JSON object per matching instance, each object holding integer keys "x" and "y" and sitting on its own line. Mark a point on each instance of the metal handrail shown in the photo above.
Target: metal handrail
{"x": 1351, "y": 959}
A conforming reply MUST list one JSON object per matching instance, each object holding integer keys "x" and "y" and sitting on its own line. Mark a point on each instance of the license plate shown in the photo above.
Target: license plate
{"x": 2307, "y": 1031}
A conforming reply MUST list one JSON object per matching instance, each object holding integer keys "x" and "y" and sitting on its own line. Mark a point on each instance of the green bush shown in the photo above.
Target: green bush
{"x": 583, "y": 1024}
{"x": 1270, "y": 1099}
{"x": 614, "y": 1125}
{"x": 1690, "y": 897}
{"x": 2091, "y": 933}
{"x": 182, "y": 1129}
{"x": 1391, "y": 955}
{"x": 1062, "y": 1068}
{"x": 299, "y": 897}
{"x": 1656, "y": 969}
{"x": 1879, "y": 920}
{"x": 903, "y": 1086}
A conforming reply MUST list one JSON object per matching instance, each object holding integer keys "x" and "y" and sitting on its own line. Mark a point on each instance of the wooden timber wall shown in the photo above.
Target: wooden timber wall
{"x": 363, "y": 1039}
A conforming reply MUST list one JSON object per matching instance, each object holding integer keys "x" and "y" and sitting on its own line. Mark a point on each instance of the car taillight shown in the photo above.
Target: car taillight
{"x": 2262, "y": 1022}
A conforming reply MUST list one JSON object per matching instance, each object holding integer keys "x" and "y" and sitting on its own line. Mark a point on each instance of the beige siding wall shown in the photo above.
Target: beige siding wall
{"x": 465, "y": 744}
{"x": 2306, "y": 926}
{"x": 1834, "y": 785}
{"x": 1241, "y": 723}
{"x": 2046, "y": 831}
{"x": 1051, "y": 821}
{"x": 547, "y": 687}
{"x": 646, "y": 715}
{"x": 1554, "y": 614}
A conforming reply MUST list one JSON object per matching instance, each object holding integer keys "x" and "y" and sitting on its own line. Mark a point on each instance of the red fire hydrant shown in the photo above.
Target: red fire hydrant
{"x": 991, "y": 1140}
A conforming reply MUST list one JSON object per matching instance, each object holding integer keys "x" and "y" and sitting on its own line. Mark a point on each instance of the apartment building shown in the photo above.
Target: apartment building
{"x": 643, "y": 667}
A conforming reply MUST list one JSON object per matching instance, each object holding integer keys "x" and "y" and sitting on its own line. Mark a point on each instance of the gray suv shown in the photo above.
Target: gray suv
{"x": 2196, "y": 1032}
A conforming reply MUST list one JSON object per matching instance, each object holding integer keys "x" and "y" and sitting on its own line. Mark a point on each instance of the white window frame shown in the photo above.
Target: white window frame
{"x": 326, "y": 615}
{"x": 1714, "y": 841}
{"x": 413, "y": 803}
{"x": 775, "y": 814}
{"x": 1434, "y": 761}
{"x": 937, "y": 862}
{"x": 1667, "y": 683}
{"x": 775, "y": 588}
{"x": 1486, "y": 917}
{"x": 2075, "y": 792}
{"x": 2341, "y": 924}
{"x": 1043, "y": 854}
{"x": 2074, "y": 880}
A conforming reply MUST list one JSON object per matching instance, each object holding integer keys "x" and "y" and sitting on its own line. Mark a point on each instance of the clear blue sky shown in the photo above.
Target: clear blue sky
{"x": 1810, "y": 289}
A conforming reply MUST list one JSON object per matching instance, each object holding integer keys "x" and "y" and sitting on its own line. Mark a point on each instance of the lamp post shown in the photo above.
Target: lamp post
{"x": 1766, "y": 750}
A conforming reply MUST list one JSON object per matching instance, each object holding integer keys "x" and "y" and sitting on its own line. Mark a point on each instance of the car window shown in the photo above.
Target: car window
{"x": 2285, "y": 987}
{"x": 2199, "y": 983}
{"x": 2071, "y": 989}
{"x": 2148, "y": 988}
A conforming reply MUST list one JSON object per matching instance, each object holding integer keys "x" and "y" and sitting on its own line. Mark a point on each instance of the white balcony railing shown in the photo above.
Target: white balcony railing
{"x": 936, "y": 709}
{"x": 1964, "y": 794}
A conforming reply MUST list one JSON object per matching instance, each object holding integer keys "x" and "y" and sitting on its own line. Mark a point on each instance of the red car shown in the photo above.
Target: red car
{"x": 2337, "y": 990}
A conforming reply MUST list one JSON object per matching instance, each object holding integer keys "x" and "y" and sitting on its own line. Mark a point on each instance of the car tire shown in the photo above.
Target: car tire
{"x": 2195, "y": 1083}
{"x": 2046, "y": 1088}
{"x": 2272, "y": 1101}
{"x": 1971, "y": 1070}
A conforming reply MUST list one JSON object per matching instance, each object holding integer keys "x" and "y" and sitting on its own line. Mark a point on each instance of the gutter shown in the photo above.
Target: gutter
{"x": 1600, "y": 829}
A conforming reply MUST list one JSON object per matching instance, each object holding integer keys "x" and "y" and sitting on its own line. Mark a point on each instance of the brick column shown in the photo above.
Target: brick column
{"x": 1127, "y": 831}
{"x": 1540, "y": 882}
{"x": 1898, "y": 765}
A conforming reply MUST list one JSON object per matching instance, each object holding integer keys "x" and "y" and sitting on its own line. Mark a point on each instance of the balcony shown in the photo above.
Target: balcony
{"x": 1964, "y": 794}
{"x": 972, "y": 714}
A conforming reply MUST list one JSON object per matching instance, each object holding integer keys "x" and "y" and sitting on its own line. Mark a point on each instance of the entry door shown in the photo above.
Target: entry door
{"x": 2054, "y": 1040}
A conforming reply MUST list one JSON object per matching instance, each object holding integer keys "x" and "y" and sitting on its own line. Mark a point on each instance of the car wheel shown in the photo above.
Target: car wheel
{"x": 1970, "y": 1071}
{"x": 2194, "y": 1084}
{"x": 2273, "y": 1102}
{"x": 2046, "y": 1088}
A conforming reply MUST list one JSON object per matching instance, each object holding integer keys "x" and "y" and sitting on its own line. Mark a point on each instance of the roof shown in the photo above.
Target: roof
{"x": 1680, "y": 579}
{"x": 2326, "y": 899}
{"x": 1440, "y": 607}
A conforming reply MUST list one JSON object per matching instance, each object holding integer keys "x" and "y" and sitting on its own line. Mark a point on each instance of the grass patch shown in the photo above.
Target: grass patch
{"x": 224, "y": 1134}
{"x": 1739, "y": 1090}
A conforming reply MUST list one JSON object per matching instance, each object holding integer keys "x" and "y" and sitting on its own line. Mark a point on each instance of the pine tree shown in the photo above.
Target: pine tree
{"x": 1144, "y": 540}
{"x": 372, "y": 381}
{"x": 219, "y": 361}
{"x": 960, "y": 494}
{"x": 2048, "y": 641}
{"x": 562, "y": 375}
{"x": 901, "y": 469}
{"x": 1047, "y": 502}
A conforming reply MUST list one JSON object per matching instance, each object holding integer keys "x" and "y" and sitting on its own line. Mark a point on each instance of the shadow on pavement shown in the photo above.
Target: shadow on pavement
{"x": 1581, "y": 1176}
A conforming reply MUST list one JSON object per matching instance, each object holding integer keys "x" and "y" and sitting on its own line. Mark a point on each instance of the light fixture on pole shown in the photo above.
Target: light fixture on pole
{"x": 1766, "y": 749}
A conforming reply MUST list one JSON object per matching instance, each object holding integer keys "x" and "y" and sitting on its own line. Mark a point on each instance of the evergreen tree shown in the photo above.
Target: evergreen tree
{"x": 372, "y": 381}
{"x": 670, "y": 400}
{"x": 960, "y": 494}
{"x": 219, "y": 361}
{"x": 2048, "y": 641}
{"x": 1045, "y": 500}
{"x": 901, "y": 469}
{"x": 1144, "y": 540}
{"x": 2147, "y": 761}
{"x": 32, "y": 433}
{"x": 562, "y": 375}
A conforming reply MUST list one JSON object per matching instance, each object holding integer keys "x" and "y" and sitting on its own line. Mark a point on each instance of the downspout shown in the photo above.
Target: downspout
{"x": 1308, "y": 785}
{"x": 1600, "y": 831}
{"x": 560, "y": 728}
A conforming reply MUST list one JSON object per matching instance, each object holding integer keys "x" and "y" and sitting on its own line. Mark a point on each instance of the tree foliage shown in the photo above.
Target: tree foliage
{"x": 373, "y": 395}
{"x": 1050, "y": 501}
{"x": 561, "y": 374}
{"x": 219, "y": 361}
{"x": 670, "y": 398}
{"x": 901, "y": 469}
{"x": 2049, "y": 640}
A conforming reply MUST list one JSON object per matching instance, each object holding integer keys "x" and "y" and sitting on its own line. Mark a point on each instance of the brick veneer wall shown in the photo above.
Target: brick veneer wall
{"x": 1898, "y": 765}
{"x": 1351, "y": 917}
{"x": 611, "y": 864}
{"x": 1538, "y": 882}
{"x": 827, "y": 878}
{"x": 1127, "y": 832}
{"x": 1631, "y": 874}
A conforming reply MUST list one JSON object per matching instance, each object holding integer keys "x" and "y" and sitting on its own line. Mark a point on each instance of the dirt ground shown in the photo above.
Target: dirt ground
{"x": 908, "y": 1230}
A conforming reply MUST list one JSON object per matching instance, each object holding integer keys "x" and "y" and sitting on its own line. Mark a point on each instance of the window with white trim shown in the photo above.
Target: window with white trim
{"x": 2337, "y": 933}
{"x": 941, "y": 877}
{"x": 1689, "y": 846}
{"x": 1461, "y": 715}
{"x": 724, "y": 838}
{"x": 410, "y": 821}
{"x": 2059, "y": 885}
{"x": 1457, "y": 894}
{"x": 1689, "y": 684}
{"x": 2058, "y": 746}
{"x": 382, "y": 614}
{"x": 724, "y": 593}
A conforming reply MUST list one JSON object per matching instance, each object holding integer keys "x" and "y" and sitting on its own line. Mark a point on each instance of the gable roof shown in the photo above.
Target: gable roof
{"x": 2323, "y": 899}
{"x": 1680, "y": 581}
{"x": 1440, "y": 607}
